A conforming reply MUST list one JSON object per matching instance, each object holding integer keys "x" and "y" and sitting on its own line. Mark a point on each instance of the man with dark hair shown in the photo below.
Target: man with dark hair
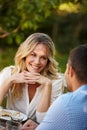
{"x": 69, "y": 111}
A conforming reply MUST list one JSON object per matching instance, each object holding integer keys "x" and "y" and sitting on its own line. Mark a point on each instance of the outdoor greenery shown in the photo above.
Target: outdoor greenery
{"x": 64, "y": 20}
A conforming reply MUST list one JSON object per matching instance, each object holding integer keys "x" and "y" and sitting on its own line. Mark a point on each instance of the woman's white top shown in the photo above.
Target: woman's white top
{"x": 23, "y": 105}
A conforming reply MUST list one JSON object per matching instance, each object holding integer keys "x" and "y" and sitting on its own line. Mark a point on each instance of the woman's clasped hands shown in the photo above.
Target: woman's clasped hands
{"x": 30, "y": 78}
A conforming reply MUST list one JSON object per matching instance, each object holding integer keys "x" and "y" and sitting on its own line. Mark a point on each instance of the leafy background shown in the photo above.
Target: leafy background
{"x": 64, "y": 20}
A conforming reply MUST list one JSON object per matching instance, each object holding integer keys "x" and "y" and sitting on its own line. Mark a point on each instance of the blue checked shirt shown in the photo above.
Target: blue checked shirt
{"x": 68, "y": 112}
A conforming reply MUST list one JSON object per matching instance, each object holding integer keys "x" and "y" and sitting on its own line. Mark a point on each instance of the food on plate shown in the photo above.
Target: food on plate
{"x": 12, "y": 115}
{"x": 5, "y": 113}
{"x": 16, "y": 114}
{"x": 9, "y": 114}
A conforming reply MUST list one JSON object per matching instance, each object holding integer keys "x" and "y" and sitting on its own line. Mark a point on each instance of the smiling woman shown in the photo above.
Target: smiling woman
{"x": 33, "y": 83}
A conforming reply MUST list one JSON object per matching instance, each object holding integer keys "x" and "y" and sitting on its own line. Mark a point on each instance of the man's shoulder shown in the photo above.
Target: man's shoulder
{"x": 66, "y": 98}
{"x": 66, "y": 95}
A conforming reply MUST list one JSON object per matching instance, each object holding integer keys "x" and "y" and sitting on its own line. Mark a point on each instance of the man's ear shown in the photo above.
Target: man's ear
{"x": 71, "y": 71}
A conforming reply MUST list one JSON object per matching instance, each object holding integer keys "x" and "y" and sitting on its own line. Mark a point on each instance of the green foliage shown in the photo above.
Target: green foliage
{"x": 71, "y": 31}
{"x": 4, "y": 102}
{"x": 7, "y": 57}
{"x": 22, "y": 16}
{"x": 67, "y": 26}
{"x": 62, "y": 60}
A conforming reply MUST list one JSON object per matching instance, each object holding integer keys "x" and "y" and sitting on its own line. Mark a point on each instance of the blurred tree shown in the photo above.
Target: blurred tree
{"x": 21, "y": 17}
{"x": 61, "y": 19}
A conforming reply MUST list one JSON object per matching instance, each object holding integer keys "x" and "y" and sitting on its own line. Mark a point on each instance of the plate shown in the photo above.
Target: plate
{"x": 12, "y": 113}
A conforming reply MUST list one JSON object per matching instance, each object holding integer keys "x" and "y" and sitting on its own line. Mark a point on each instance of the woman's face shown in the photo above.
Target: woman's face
{"x": 37, "y": 60}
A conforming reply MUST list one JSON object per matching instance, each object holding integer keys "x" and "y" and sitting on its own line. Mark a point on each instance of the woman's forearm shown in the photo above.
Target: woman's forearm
{"x": 45, "y": 99}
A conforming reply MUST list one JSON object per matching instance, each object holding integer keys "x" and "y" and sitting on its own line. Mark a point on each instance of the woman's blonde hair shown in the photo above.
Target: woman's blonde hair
{"x": 50, "y": 71}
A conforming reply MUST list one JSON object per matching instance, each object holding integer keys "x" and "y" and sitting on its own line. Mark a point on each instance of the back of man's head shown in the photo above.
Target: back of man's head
{"x": 78, "y": 60}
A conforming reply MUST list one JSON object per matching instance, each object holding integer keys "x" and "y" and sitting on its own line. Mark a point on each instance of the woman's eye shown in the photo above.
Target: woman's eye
{"x": 32, "y": 54}
{"x": 44, "y": 58}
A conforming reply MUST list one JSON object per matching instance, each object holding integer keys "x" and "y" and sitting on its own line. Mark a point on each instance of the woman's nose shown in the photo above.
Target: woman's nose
{"x": 37, "y": 60}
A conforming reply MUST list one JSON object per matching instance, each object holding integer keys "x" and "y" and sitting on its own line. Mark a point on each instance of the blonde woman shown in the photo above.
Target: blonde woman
{"x": 33, "y": 83}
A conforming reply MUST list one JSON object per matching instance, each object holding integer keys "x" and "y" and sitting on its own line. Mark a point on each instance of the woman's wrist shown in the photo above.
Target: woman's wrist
{"x": 48, "y": 84}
